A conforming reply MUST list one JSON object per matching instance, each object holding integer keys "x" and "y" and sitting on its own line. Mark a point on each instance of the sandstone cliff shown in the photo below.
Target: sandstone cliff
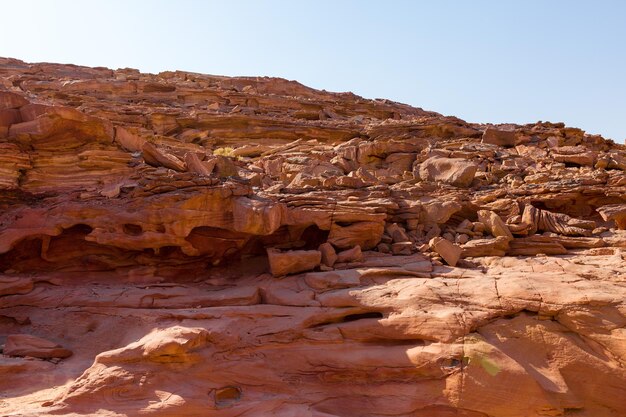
{"x": 182, "y": 244}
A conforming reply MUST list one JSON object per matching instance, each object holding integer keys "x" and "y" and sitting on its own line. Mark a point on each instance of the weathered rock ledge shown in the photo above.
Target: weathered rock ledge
{"x": 186, "y": 244}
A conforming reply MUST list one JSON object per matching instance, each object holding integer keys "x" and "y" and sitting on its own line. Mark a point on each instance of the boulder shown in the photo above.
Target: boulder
{"x": 397, "y": 233}
{"x": 450, "y": 252}
{"x": 157, "y": 157}
{"x": 494, "y": 224}
{"x": 195, "y": 165}
{"x": 225, "y": 167}
{"x": 454, "y": 171}
{"x": 438, "y": 211}
{"x": 616, "y": 161}
{"x": 486, "y": 247}
{"x": 534, "y": 219}
{"x": 577, "y": 155}
{"x": 293, "y": 262}
{"x": 402, "y": 248}
{"x": 499, "y": 137}
{"x": 616, "y": 212}
{"x": 461, "y": 238}
{"x": 350, "y": 255}
{"x": 329, "y": 256}
{"x": 364, "y": 234}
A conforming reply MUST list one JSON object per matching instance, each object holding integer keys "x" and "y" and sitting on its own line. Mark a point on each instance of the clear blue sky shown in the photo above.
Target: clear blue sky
{"x": 483, "y": 61}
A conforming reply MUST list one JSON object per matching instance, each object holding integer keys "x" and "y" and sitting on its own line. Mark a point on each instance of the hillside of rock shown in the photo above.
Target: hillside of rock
{"x": 180, "y": 244}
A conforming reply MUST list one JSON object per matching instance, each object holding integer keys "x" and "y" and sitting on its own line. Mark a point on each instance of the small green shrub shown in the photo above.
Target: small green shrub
{"x": 227, "y": 151}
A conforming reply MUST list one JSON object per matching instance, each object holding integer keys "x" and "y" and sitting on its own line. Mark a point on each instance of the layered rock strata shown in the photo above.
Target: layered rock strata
{"x": 186, "y": 244}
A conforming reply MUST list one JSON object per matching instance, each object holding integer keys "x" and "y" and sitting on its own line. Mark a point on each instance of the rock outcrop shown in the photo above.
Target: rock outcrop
{"x": 186, "y": 244}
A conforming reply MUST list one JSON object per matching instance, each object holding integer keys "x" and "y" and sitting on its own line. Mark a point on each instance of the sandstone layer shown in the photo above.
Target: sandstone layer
{"x": 180, "y": 244}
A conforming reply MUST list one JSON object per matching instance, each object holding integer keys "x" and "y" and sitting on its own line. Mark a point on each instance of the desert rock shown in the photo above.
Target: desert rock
{"x": 499, "y": 137}
{"x": 454, "y": 171}
{"x": 33, "y": 346}
{"x": 448, "y": 250}
{"x": 616, "y": 212}
{"x": 178, "y": 233}
{"x": 291, "y": 262}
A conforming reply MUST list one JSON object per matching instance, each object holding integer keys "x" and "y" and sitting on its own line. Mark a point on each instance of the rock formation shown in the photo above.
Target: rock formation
{"x": 182, "y": 244}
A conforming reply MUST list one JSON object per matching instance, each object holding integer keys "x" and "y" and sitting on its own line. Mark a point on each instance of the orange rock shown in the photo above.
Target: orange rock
{"x": 499, "y": 137}
{"x": 616, "y": 212}
{"x": 363, "y": 234}
{"x": 156, "y": 157}
{"x": 486, "y": 247}
{"x": 15, "y": 285}
{"x": 450, "y": 252}
{"x": 350, "y": 255}
{"x": 171, "y": 248}
{"x": 494, "y": 224}
{"x": 9, "y": 100}
{"x": 454, "y": 171}
{"x": 129, "y": 140}
{"x": 329, "y": 256}
{"x": 293, "y": 262}
{"x": 33, "y": 346}
{"x": 194, "y": 164}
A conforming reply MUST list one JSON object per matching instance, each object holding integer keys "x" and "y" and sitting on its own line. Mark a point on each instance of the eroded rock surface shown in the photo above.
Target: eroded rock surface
{"x": 418, "y": 265}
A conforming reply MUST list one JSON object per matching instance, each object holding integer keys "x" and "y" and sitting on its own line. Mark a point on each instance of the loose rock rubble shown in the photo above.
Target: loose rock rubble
{"x": 187, "y": 244}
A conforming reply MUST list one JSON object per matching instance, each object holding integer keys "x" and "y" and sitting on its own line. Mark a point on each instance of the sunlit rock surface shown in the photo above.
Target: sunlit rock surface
{"x": 418, "y": 265}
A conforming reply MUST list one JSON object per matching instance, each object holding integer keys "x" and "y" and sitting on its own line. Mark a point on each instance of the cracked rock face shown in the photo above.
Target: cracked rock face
{"x": 182, "y": 244}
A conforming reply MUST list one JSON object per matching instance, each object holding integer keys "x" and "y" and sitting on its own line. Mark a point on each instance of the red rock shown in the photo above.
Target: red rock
{"x": 93, "y": 240}
{"x": 329, "y": 256}
{"x": 15, "y": 285}
{"x": 129, "y": 140}
{"x": 616, "y": 212}
{"x": 363, "y": 234}
{"x": 332, "y": 280}
{"x": 616, "y": 161}
{"x": 9, "y": 100}
{"x": 450, "y": 252}
{"x": 494, "y": 224}
{"x": 499, "y": 137}
{"x": 31, "y": 111}
{"x": 536, "y": 245}
{"x": 9, "y": 117}
{"x": 293, "y": 262}
{"x": 438, "y": 211}
{"x": 33, "y": 346}
{"x": 397, "y": 233}
{"x": 350, "y": 255}
{"x": 156, "y": 157}
{"x": 461, "y": 239}
{"x": 454, "y": 171}
{"x": 195, "y": 165}
{"x": 486, "y": 247}
{"x": 402, "y": 248}
{"x": 578, "y": 155}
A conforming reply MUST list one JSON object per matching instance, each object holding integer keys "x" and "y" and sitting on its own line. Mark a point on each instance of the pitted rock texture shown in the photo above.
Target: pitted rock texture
{"x": 419, "y": 265}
